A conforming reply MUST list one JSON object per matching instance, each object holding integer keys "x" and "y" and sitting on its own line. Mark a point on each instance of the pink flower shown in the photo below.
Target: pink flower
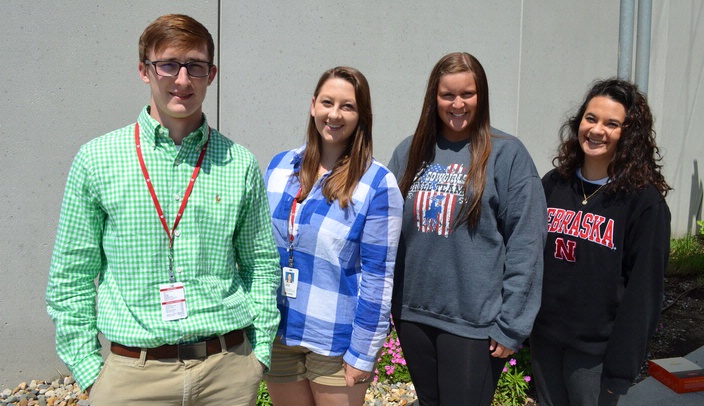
{"x": 512, "y": 362}
{"x": 505, "y": 369}
{"x": 526, "y": 378}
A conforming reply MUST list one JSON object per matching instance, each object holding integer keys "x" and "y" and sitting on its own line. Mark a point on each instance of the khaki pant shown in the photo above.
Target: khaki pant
{"x": 230, "y": 377}
{"x": 293, "y": 364}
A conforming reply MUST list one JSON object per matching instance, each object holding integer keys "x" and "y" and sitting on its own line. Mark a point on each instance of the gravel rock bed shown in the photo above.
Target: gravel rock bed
{"x": 395, "y": 394}
{"x": 65, "y": 392}
{"x": 61, "y": 392}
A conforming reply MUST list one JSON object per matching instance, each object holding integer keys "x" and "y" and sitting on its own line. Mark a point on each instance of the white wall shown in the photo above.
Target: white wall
{"x": 565, "y": 47}
{"x": 676, "y": 96}
{"x": 70, "y": 74}
{"x": 270, "y": 65}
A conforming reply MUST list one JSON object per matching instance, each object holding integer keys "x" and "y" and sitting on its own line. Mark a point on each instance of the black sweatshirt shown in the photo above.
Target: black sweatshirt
{"x": 604, "y": 269}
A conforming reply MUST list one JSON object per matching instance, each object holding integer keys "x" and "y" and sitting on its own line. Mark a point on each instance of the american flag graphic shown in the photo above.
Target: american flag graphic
{"x": 433, "y": 205}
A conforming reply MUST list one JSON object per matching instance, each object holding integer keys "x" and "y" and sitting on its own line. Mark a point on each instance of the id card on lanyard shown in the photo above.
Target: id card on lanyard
{"x": 173, "y": 294}
{"x": 289, "y": 274}
{"x": 173, "y": 301}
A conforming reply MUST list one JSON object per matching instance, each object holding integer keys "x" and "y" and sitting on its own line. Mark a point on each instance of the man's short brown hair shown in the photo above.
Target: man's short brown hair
{"x": 175, "y": 30}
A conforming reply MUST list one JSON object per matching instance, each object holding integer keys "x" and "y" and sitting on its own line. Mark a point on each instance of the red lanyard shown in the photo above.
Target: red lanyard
{"x": 170, "y": 234}
{"x": 291, "y": 228}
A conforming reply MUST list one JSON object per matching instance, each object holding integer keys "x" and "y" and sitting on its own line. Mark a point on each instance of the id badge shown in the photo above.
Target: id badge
{"x": 173, "y": 301}
{"x": 289, "y": 281}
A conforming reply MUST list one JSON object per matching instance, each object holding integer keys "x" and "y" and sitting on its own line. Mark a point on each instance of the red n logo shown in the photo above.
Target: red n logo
{"x": 565, "y": 249}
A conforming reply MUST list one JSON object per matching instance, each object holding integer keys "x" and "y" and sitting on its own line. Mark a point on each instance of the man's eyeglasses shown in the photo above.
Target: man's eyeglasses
{"x": 196, "y": 69}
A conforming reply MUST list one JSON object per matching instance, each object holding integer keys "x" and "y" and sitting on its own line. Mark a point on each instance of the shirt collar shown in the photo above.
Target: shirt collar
{"x": 596, "y": 182}
{"x": 152, "y": 131}
{"x": 298, "y": 158}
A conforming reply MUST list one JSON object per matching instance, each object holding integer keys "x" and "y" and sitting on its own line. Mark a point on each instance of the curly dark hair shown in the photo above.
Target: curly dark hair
{"x": 636, "y": 161}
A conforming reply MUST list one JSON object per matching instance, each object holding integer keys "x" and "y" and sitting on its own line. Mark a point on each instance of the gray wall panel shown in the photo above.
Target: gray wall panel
{"x": 565, "y": 46}
{"x": 677, "y": 99}
{"x": 271, "y": 61}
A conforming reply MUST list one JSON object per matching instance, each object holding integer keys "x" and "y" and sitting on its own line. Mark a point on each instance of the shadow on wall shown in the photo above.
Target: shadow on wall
{"x": 695, "y": 200}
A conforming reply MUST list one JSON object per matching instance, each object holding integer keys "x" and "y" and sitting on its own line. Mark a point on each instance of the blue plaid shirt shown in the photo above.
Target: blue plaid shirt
{"x": 345, "y": 259}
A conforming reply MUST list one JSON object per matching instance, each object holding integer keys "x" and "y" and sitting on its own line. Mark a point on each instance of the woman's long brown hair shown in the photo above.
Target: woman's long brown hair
{"x": 422, "y": 150}
{"x": 357, "y": 156}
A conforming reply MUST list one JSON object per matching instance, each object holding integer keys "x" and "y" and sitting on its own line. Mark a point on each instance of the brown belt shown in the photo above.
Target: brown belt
{"x": 200, "y": 349}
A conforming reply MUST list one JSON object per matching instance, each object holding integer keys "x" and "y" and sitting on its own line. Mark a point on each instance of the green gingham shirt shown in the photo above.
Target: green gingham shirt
{"x": 223, "y": 251}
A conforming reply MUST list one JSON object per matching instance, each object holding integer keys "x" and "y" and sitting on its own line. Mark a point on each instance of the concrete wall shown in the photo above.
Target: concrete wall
{"x": 537, "y": 61}
{"x": 676, "y": 96}
{"x": 70, "y": 74}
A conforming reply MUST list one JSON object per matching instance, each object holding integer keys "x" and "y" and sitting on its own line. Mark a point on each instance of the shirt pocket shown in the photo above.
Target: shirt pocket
{"x": 334, "y": 240}
{"x": 137, "y": 264}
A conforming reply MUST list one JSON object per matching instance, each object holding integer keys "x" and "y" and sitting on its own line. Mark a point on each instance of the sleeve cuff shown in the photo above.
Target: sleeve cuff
{"x": 360, "y": 361}
{"x": 505, "y": 340}
{"x": 618, "y": 386}
{"x": 86, "y": 372}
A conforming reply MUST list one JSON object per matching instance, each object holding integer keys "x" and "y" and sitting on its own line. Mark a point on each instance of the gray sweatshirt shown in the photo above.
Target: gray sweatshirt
{"x": 482, "y": 282}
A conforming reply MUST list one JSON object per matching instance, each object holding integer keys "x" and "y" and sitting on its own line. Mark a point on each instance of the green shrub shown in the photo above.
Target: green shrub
{"x": 514, "y": 381}
{"x": 686, "y": 256}
{"x": 263, "y": 398}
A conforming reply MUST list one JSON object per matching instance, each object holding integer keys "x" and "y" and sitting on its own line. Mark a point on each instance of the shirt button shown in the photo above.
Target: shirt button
{"x": 177, "y": 233}
{"x": 179, "y": 269}
{"x": 177, "y": 162}
{"x": 177, "y": 197}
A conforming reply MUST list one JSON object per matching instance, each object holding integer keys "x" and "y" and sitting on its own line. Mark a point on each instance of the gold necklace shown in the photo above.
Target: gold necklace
{"x": 586, "y": 198}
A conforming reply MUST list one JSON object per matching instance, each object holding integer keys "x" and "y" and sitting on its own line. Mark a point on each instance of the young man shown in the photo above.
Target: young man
{"x": 171, "y": 218}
